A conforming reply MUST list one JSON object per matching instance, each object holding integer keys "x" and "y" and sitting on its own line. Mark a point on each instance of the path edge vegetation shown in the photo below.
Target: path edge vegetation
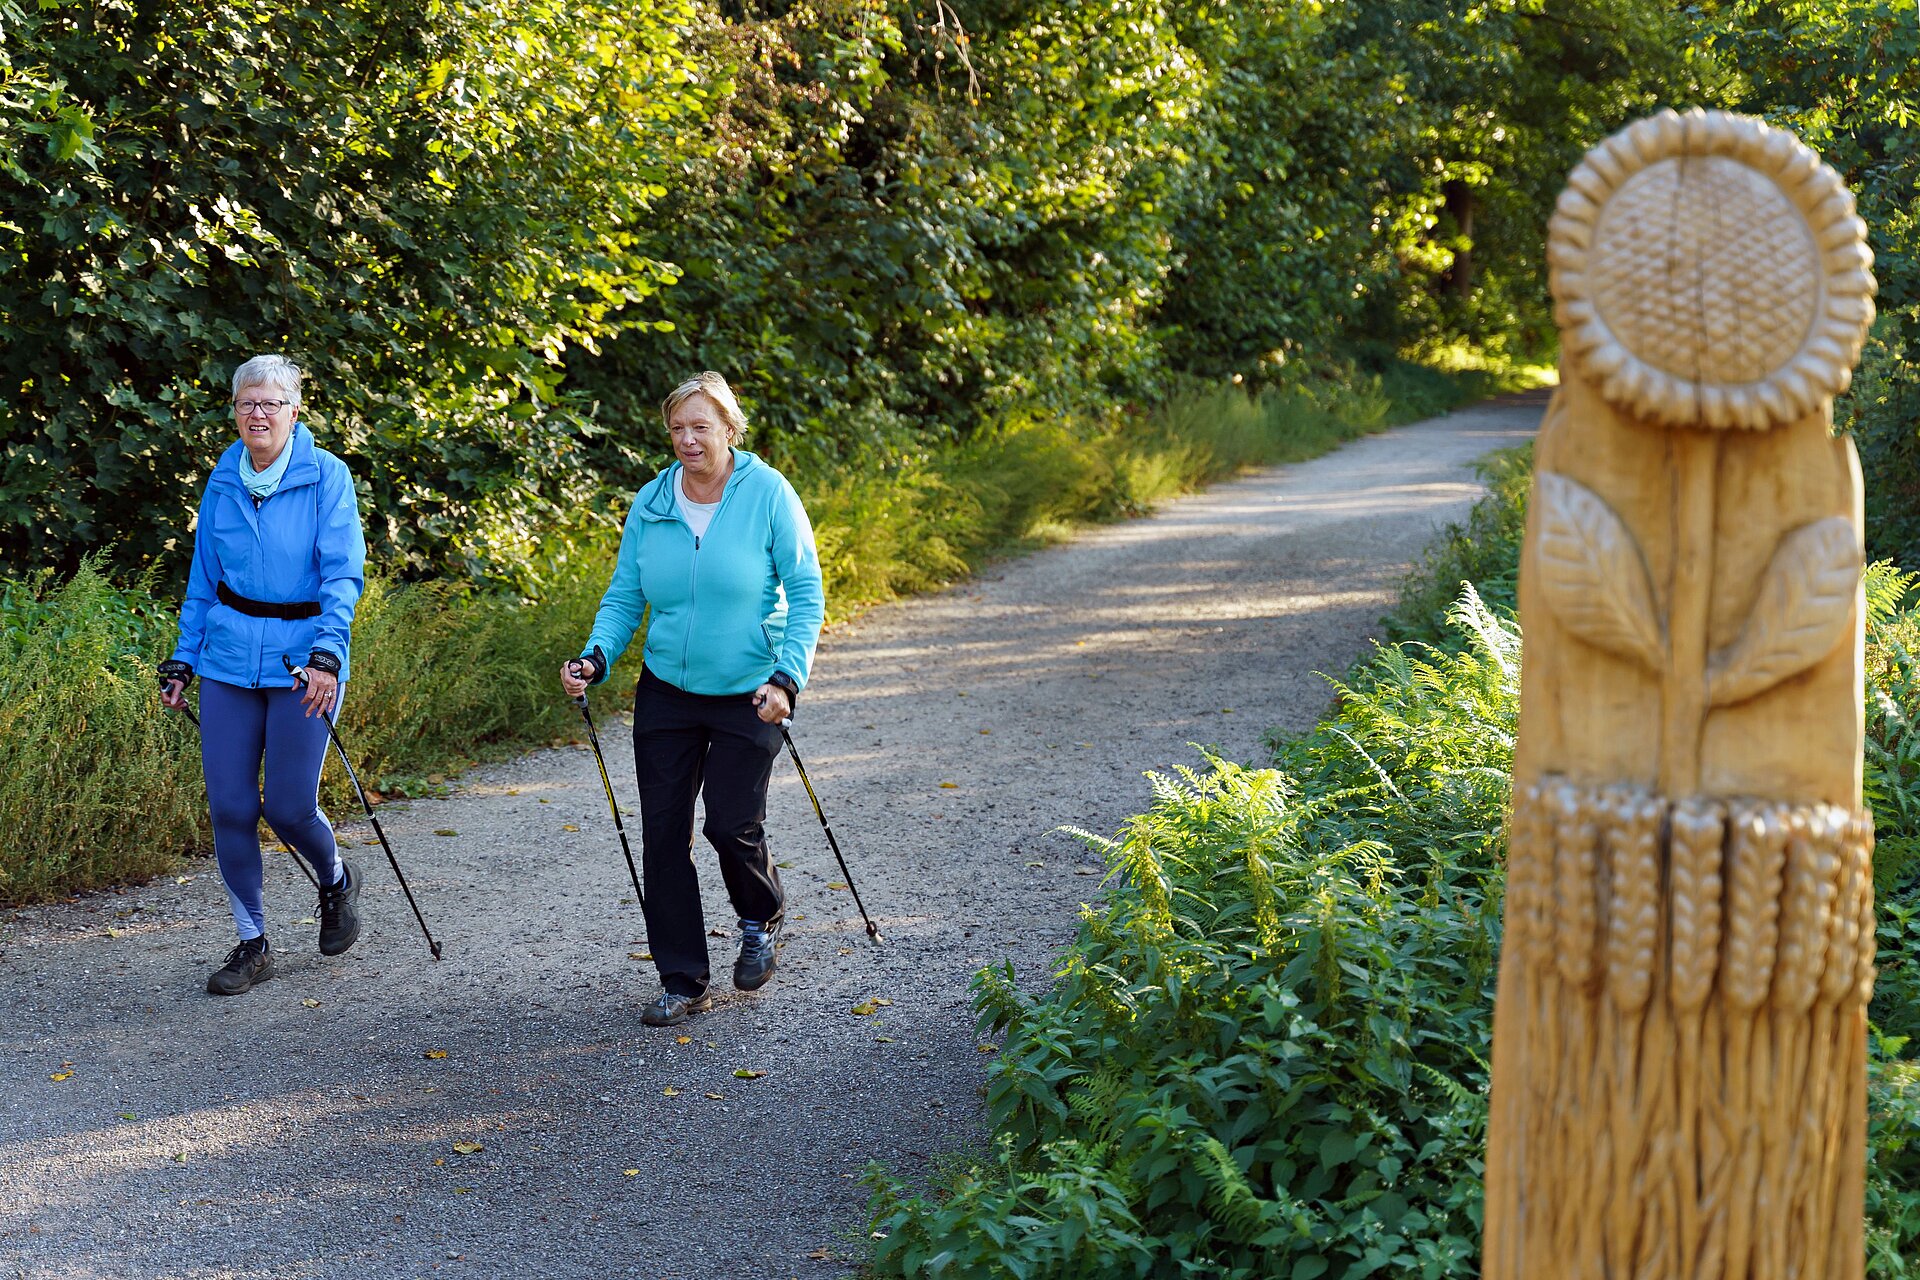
{"x": 98, "y": 791}
{"x": 1266, "y": 1051}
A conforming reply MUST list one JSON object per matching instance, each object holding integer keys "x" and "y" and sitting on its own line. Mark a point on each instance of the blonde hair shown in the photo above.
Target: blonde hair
{"x": 715, "y": 388}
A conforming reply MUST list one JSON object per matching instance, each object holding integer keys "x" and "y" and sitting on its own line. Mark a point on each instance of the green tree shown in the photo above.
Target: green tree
{"x": 424, "y": 201}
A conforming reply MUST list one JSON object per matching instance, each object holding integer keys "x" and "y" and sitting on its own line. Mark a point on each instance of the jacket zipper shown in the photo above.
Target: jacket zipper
{"x": 693, "y": 579}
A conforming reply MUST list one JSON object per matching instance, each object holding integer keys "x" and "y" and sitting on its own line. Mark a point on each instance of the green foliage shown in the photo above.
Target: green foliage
{"x": 424, "y": 203}
{"x": 1266, "y": 1055}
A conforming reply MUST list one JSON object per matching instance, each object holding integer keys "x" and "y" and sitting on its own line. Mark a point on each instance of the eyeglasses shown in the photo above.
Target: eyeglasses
{"x": 268, "y": 407}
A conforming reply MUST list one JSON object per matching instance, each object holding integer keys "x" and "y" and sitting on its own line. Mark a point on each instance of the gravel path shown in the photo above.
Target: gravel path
{"x": 309, "y": 1128}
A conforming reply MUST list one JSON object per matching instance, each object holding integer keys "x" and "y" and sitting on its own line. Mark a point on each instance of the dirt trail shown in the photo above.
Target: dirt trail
{"x": 303, "y": 1130}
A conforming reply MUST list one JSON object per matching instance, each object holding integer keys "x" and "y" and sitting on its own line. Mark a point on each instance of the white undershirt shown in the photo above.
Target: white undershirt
{"x": 698, "y": 515}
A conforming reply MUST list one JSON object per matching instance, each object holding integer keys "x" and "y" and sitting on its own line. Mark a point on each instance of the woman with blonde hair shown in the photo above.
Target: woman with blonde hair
{"x": 719, "y": 548}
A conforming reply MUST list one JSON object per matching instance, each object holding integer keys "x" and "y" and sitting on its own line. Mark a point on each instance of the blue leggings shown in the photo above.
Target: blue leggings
{"x": 239, "y": 729}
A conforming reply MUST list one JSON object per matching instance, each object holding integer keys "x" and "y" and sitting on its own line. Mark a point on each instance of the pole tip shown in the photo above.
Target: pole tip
{"x": 873, "y": 931}
{"x": 436, "y": 951}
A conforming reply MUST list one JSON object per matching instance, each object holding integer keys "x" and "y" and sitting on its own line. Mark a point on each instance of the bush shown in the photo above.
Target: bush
{"x": 1266, "y": 1055}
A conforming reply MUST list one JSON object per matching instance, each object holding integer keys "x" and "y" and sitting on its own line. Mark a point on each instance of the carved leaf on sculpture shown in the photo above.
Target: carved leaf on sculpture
{"x": 1806, "y": 601}
{"x": 1591, "y": 572}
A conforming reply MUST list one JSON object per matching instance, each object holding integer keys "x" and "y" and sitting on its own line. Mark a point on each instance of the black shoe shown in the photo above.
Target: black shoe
{"x": 670, "y": 1009}
{"x": 340, "y": 911}
{"x": 249, "y": 963}
{"x": 757, "y": 945}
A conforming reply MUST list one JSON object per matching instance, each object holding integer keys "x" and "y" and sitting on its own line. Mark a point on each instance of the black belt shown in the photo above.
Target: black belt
{"x": 292, "y": 611}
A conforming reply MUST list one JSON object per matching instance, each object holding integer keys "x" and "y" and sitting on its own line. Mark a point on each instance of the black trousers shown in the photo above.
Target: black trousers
{"x": 688, "y": 744}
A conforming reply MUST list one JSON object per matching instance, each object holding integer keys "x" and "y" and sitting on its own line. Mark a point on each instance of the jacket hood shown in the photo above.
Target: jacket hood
{"x": 656, "y": 496}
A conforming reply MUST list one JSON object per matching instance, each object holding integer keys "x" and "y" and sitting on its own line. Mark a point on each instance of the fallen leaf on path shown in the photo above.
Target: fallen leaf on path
{"x": 467, "y": 1148}
{"x": 436, "y": 778}
{"x": 989, "y": 1048}
{"x": 631, "y": 1173}
{"x": 835, "y": 884}
{"x": 545, "y": 800}
{"x": 986, "y": 731}
{"x": 568, "y": 826}
{"x": 446, "y": 831}
{"x": 748, "y": 1073}
{"x": 683, "y": 1039}
{"x": 846, "y": 951}
{"x": 862, "y": 1009}
{"x": 308, "y": 920}
{"x": 112, "y": 932}
{"x": 671, "y": 1092}
{"x": 717, "y": 932}
{"x": 128, "y": 1115}
{"x": 434, "y": 1053}
{"x": 513, "y": 791}
{"x": 821, "y": 1255}
{"x": 461, "y": 1191}
{"x": 311, "y": 1003}
{"x": 1036, "y": 864}
{"x": 1086, "y": 871}
{"x": 182, "y": 879}
{"x": 882, "y": 1001}
{"x": 951, "y": 786}
{"x": 440, "y": 1161}
{"x": 179, "y": 1157}
{"x": 883, "y": 1039}
{"x": 718, "y": 1097}
{"x": 639, "y": 955}
{"x": 61, "y": 1075}
{"x": 369, "y": 842}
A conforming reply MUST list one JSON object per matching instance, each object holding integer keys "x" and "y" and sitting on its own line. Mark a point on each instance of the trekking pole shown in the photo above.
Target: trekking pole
{"x": 873, "y": 930}
{"x": 607, "y": 782}
{"x": 300, "y": 674}
{"x": 298, "y": 861}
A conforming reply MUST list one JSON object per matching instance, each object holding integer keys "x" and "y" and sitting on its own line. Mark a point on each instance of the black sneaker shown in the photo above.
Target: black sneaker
{"x": 340, "y": 911}
{"x": 249, "y": 963}
{"x": 757, "y": 945}
{"x": 670, "y": 1009}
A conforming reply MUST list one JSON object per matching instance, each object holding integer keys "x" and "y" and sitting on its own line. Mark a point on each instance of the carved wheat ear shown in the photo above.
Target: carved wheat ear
{"x": 1592, "y": 573}
{"x": 1806, "y": 600}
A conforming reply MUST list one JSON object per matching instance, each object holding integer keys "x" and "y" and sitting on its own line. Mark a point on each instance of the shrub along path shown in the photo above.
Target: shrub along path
{"x": 503, "y": 1112}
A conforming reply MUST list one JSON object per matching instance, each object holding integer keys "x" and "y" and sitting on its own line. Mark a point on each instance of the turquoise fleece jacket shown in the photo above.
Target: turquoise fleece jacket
{"x": 729, "y": 609}
{"x": 302, "y": 543}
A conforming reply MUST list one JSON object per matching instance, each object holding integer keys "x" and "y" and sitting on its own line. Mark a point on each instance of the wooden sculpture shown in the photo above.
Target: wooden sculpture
{"x": 1679, "y": 1070}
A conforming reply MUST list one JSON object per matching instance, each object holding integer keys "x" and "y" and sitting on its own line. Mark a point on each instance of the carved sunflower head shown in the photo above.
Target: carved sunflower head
{"x": 1708, "y": 270}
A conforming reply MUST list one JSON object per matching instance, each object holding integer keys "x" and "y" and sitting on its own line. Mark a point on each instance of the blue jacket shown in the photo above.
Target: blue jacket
{"x": 728, "y": 609}
{"x": 302, "y": 543}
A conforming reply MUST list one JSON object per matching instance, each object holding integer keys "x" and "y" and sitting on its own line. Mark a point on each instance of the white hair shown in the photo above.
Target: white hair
{"x": 715, "y": 388}
{"x": 265, "y": 369}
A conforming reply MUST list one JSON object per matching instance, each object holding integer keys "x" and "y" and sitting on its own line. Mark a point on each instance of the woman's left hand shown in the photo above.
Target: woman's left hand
{"x": 772, "y": 703}
{"x": 321, "y": 689}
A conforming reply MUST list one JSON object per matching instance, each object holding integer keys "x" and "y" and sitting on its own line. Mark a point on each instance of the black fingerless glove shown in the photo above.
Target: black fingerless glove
{"x": 593, "y": 666}
{"x": 173, "y": 669}
{"x": 324, "y": 660}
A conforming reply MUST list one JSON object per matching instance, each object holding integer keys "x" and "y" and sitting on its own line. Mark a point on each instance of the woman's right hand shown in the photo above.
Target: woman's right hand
{"x": 575, "y": 675}
{"x": 174, "y": 678}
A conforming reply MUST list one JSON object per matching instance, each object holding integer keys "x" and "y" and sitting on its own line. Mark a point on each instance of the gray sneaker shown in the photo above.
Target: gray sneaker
{"x": 247, "y": 964}
{"x": 670, "y": 1009}
{"x": 340, "y": 911}
{"x": 758, "y": 942}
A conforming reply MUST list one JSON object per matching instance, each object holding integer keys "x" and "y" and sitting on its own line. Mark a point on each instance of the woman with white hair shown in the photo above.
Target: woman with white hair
{"x": 278, "y": 566}
{"x": 720, "y": 549}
